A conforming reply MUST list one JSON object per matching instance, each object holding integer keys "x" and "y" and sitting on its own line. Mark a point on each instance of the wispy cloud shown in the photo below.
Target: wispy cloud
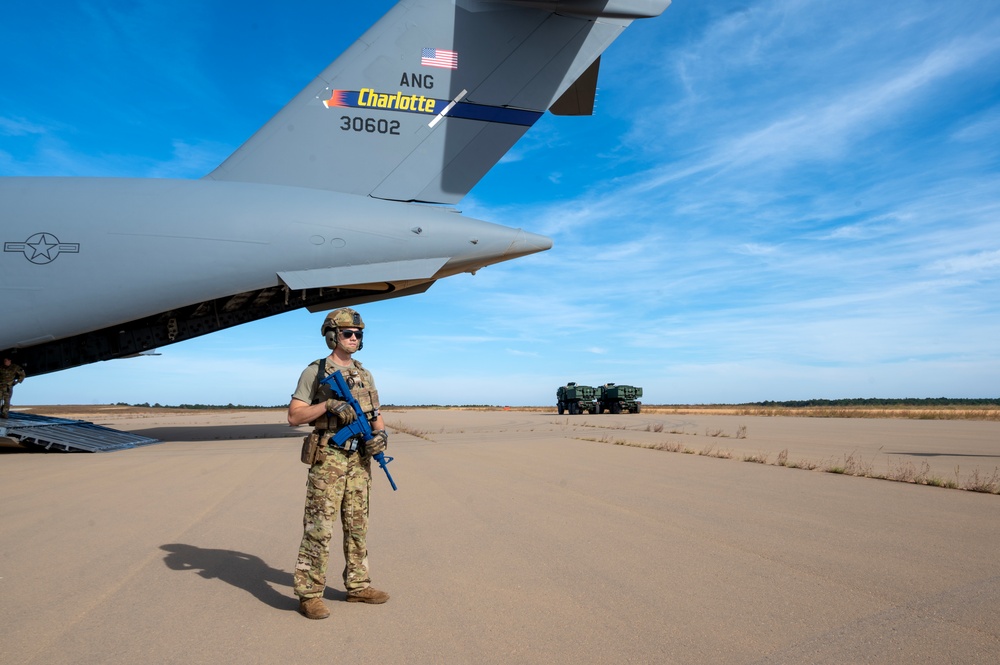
{"x": 19, "y": 127}
{"x": 981, "y": 262}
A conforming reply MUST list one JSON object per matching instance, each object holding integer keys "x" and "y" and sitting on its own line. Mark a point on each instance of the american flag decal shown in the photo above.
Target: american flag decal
{"x": 438, "y": 57}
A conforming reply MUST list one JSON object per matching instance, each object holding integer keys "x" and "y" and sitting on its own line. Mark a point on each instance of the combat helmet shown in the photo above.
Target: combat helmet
{"x": 345, "y": 317}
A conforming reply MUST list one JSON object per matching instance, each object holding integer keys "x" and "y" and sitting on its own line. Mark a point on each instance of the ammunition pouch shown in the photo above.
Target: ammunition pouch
{"x": 312, "y": 451}
{"x": 368, "y": 399}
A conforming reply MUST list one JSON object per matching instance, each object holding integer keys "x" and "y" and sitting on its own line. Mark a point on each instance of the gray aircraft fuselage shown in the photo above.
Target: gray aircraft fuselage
{"x": 88, "y": 261}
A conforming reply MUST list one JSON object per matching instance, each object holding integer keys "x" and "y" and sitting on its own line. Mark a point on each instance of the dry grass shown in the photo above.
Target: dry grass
{"x": 758, "y": 458}
{"x": 665, "y": 446}
{"x": 986, "y": 484}
{"x": 990, "y": 412}
{"x": 741, "y": 431}
{"x": 959, "y": 412}
{"x": 406, "y": 429}
{"x": 852, "y": 464}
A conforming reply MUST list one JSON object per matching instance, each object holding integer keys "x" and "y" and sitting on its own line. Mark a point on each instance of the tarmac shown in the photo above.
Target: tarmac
{"x": 514, "y": 537}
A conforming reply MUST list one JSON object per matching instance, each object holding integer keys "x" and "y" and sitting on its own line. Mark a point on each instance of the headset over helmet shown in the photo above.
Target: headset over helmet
{"x": 345, "y": 317}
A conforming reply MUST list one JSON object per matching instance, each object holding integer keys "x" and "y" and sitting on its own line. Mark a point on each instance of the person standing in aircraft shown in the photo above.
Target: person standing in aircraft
{"x": 10, "y": 376}
{"x": 339, "y": 479}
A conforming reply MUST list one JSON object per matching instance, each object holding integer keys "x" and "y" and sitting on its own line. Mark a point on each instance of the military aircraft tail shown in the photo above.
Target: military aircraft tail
{"x": 434, "y": 94}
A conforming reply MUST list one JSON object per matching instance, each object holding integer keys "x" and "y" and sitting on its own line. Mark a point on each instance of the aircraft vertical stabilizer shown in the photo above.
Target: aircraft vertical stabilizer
{"x": 445, "y": 86}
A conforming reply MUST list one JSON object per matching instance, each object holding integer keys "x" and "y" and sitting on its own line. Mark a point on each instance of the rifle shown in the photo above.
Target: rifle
{"x": 360, "y": 427}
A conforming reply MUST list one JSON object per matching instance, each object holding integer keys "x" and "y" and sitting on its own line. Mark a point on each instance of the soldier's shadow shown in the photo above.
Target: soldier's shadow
{"x": 243, "y": 571}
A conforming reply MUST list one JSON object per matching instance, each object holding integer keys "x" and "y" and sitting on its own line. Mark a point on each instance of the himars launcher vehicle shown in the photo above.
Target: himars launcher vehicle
{"x": 618, "y": 399}
{"x": 575, "y": 399}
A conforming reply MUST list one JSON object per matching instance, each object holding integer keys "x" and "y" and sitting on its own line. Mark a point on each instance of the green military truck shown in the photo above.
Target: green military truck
{"x": 574, "y": 399}
{"x": 618, "y": 399}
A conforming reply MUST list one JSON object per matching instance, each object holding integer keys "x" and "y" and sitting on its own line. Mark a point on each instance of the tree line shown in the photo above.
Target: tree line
{"x": 886, "y": 402}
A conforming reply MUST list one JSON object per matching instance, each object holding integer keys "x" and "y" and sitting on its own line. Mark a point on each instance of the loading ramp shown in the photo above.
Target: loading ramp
{"x": 62, "y": 435}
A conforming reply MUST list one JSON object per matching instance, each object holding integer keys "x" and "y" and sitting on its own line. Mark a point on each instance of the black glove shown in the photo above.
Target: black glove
{"x": 377, "y": 443}
{"x": 342, "y": 411}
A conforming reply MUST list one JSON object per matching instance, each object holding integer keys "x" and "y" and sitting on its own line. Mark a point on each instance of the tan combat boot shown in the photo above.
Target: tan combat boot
{"x": 313, "y": 608}
{"x": 367, "y": 595}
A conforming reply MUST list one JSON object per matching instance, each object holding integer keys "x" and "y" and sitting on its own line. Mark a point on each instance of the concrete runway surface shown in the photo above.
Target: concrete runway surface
{"x": 512, "y": 539}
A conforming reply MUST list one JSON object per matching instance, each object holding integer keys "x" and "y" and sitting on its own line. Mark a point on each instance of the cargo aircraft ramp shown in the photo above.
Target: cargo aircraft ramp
{"x": 63, "y": 435}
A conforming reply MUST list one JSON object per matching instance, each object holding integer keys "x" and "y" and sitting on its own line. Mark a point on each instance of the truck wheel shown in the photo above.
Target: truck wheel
{"x": 561, "y": 409}
{"x": 637, "y": 408}
{"x": 616, "y": 408}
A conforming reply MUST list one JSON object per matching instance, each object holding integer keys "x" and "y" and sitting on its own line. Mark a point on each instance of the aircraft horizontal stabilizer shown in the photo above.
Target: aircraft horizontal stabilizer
{"x": 579, "y": 97}
{"x": 630, "y": 9}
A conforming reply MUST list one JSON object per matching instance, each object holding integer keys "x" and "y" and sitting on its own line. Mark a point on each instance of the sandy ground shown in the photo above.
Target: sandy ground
{"x": 512, "y": 538}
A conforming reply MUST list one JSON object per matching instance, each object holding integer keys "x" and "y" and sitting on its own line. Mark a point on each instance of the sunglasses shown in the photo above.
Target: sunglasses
{"x": 348, "y": 334}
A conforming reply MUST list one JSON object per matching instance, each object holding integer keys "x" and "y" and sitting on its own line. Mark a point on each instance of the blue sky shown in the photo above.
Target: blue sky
{"x": 776, "y": 199}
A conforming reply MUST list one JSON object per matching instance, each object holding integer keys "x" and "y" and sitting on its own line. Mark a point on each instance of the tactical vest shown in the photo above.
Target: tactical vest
{"x": 358, "y": 379}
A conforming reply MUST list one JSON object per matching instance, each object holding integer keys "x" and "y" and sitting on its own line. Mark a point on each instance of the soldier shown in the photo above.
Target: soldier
{"x": 339, "y": 479}
{"x": 10, "y": 376}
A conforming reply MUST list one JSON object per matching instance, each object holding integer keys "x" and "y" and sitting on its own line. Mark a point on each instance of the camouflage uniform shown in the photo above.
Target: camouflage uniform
{"x": 10, "y": 376}
{"x": 339, "y": 482}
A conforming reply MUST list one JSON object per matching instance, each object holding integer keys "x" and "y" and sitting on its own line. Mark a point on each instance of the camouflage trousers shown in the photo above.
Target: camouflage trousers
{"x": 5, "y": 393}
{"x": 340, "y": 483}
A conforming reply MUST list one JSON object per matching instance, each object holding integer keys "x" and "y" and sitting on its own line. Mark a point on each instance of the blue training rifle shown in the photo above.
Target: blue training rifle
{"x": 360, "y": 426}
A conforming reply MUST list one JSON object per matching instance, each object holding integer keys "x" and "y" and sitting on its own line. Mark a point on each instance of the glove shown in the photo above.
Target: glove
{"x": 377, "y": 443}
{"x": 342, "y": 411}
